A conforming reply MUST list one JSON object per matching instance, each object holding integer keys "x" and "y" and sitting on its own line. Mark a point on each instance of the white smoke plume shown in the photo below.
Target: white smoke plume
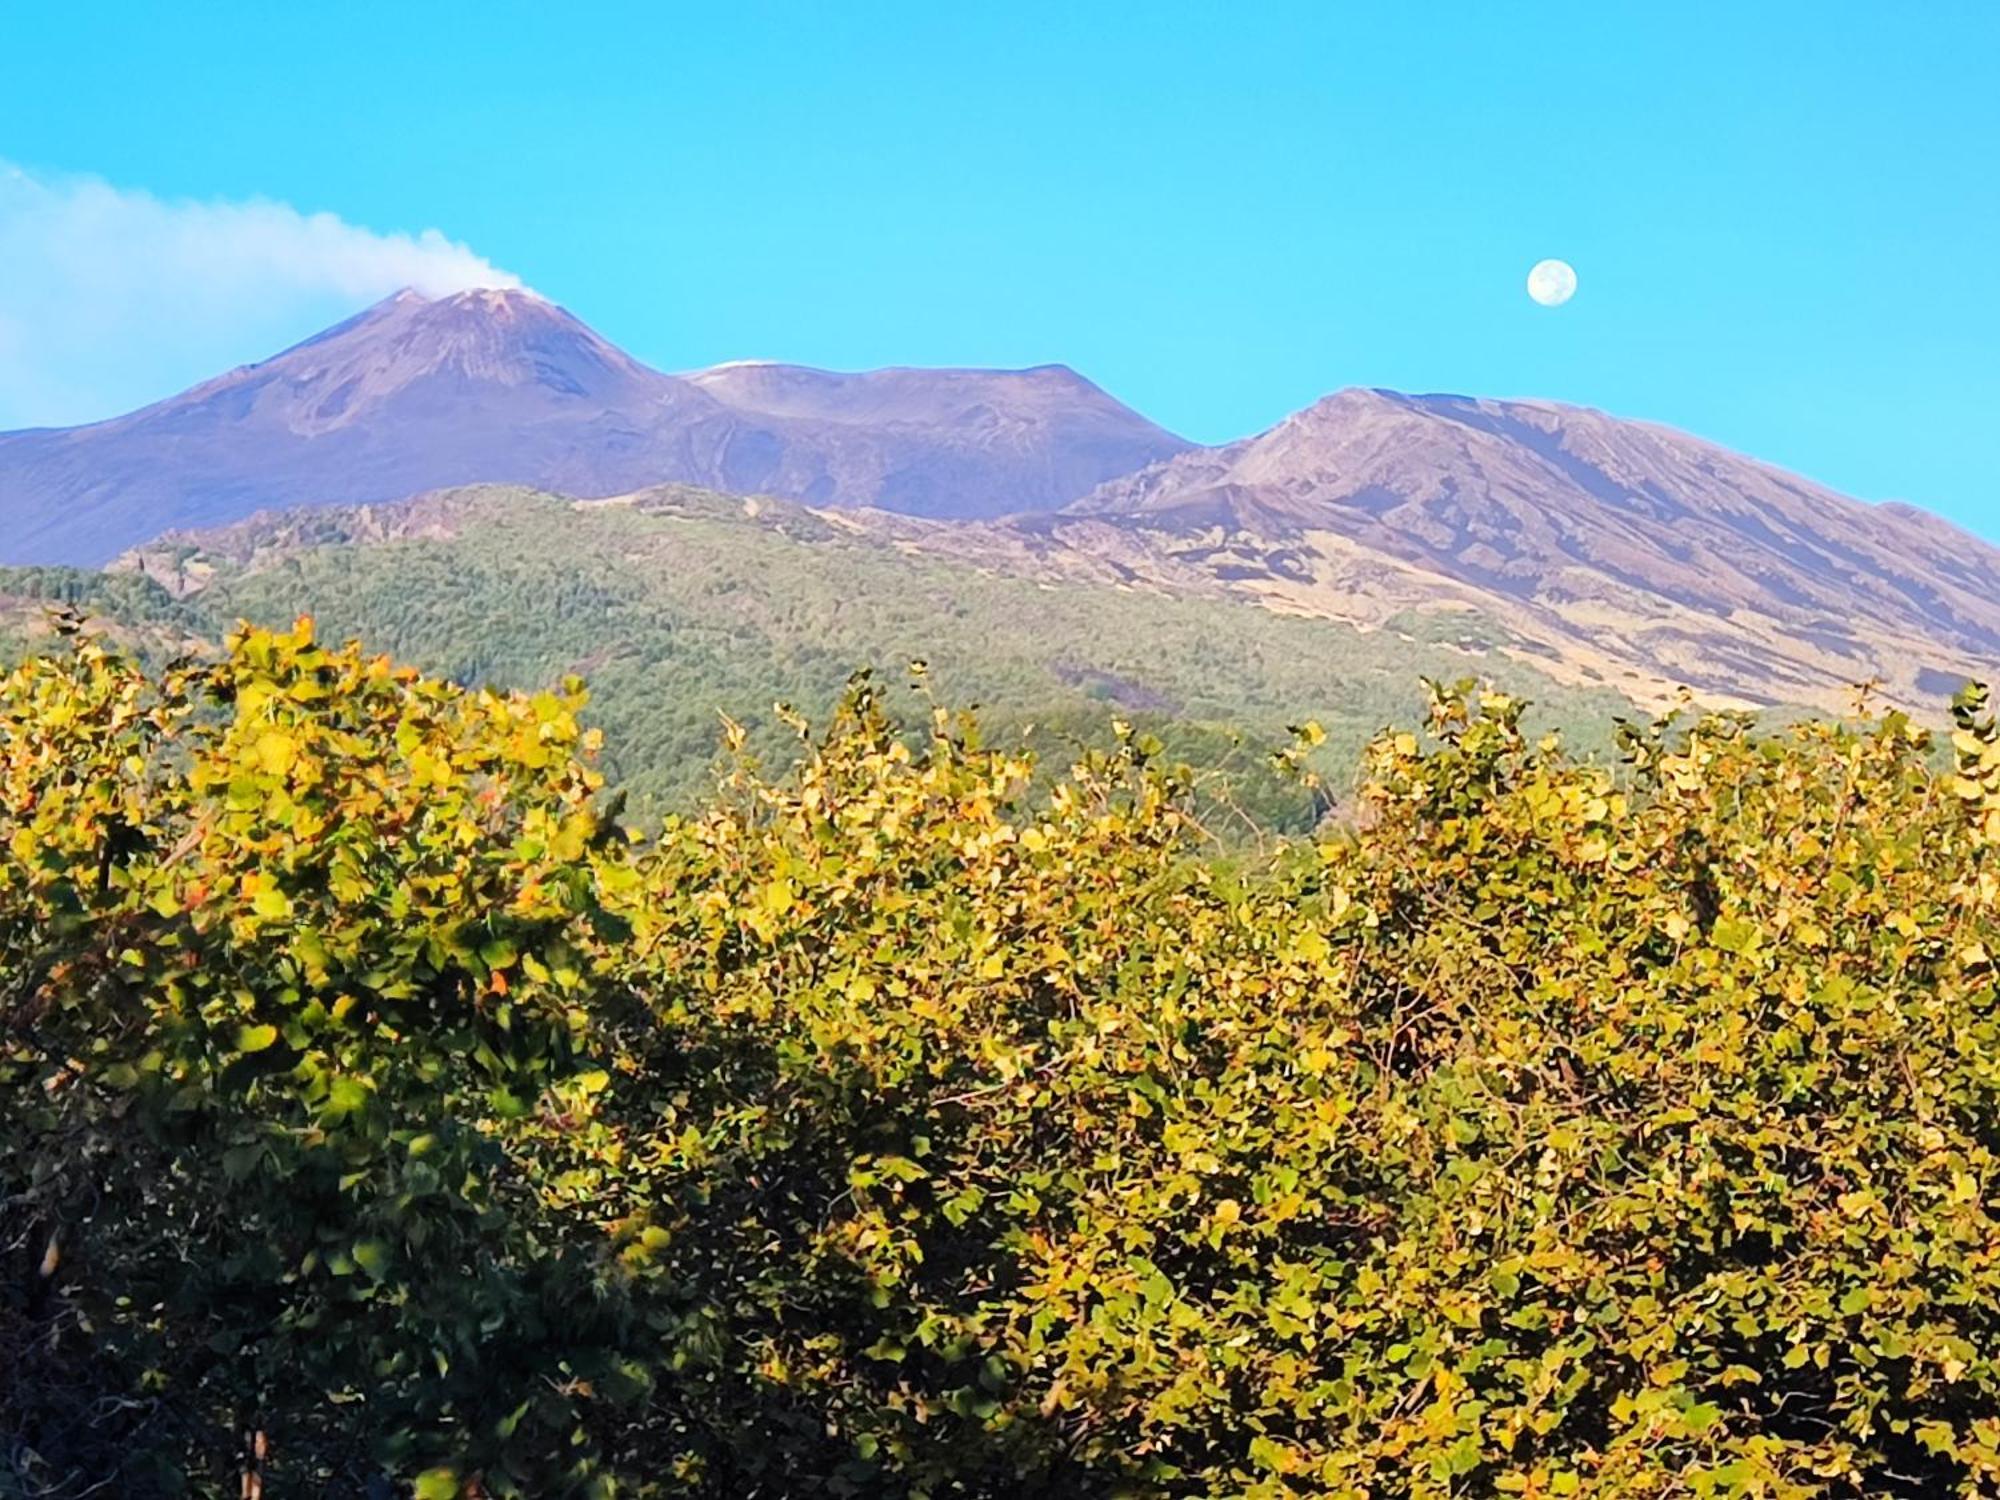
{"x": 112, "y": 297}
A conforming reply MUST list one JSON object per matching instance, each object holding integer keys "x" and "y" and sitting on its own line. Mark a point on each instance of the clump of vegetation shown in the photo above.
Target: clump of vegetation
{"x": 377, "y": 1114}
{"x": 36, "y": 601}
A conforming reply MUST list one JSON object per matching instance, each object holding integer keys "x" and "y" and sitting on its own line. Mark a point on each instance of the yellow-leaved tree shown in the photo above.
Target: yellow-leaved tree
{"x": 375, "y": 1111}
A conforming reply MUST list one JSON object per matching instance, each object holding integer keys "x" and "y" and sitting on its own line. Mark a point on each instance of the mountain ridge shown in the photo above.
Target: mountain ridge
{"x": 1607, "y": 551}
{"x": 416, "y": 393}
{"x": 1655, "y": 552}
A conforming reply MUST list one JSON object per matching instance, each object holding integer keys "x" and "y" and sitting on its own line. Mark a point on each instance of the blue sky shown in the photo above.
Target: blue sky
{"x": 1785, "y": 217}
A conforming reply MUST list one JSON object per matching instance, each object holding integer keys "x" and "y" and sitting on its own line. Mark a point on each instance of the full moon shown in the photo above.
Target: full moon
{"x": 1552, "y": 282}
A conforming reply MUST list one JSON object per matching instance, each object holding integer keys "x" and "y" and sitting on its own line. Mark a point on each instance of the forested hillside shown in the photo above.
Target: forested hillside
{"x": 379, "y": 1114}
{"x": 688, "y": 605}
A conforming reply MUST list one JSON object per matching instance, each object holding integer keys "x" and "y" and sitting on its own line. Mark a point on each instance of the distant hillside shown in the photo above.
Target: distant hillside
{"x": 679, "y": 604}
{"x": 1623, "y": 552}
{"x": 415, "y": 394}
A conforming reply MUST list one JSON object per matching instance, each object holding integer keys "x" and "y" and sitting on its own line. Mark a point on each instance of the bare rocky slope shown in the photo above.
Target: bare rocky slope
{"x": 417, "y": 393}
{"x": 1627, "y": 553}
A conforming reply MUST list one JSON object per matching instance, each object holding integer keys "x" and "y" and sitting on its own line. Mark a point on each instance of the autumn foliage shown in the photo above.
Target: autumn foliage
{"x": 378, "y": 1115}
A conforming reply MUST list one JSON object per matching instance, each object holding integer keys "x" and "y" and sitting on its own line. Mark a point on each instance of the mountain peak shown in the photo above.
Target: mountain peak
{"x": 460, "y": 342}
{"x": 501, "y": 302}
{"x": 513, "y": 292}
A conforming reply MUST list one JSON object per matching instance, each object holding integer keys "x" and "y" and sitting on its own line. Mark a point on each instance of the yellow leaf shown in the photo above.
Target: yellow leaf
{"x": 276, "y": 751}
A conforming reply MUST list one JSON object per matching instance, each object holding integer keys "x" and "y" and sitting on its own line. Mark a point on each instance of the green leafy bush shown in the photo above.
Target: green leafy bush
{"x": 374, "y": 1108}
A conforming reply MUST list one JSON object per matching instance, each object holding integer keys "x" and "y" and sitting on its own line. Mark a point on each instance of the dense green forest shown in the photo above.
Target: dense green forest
{"x": 678, "y": 614}
{"x": 380, "y": 1114}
